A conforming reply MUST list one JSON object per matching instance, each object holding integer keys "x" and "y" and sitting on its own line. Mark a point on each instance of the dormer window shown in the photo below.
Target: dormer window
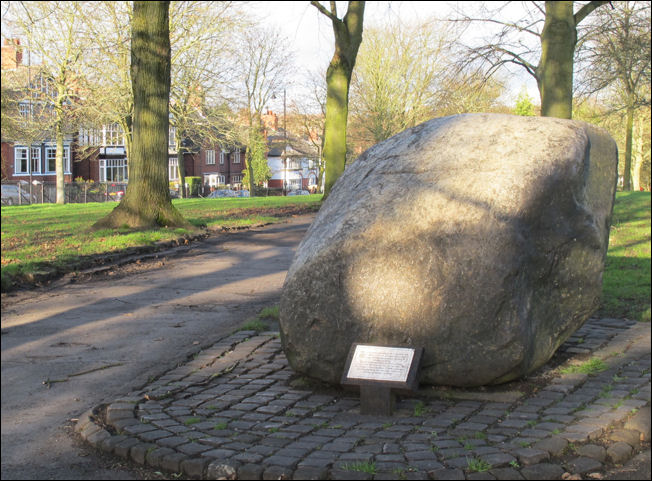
{"x": 113, "y": 135}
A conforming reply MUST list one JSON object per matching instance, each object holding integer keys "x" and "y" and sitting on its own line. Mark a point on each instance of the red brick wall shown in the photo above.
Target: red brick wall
{"x": 7, "y": 161}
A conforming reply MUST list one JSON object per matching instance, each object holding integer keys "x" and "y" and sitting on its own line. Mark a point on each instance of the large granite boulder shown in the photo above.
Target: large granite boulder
{"x": 480, "y": 237}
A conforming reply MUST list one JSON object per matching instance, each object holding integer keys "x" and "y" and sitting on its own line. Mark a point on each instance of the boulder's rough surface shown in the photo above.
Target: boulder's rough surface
{"x": 480, "y": 237}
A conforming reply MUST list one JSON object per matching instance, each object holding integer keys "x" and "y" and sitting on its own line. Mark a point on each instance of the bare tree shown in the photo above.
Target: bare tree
{"x": 109, "y": 98}
{"x": 616, "y": 55}
{"x": 147, "y": 201}
{"x": 399, "y": 72}
{"x": 263, "y": 68}
{"x": 200, "y": 33}
{"x": 51, "y": 30}
{"x": 348, "y": 36}
{"x": 307, "y": 112}
{"x": 554, "y": 27}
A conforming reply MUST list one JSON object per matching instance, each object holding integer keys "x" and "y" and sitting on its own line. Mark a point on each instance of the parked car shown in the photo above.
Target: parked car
{"x": 221, "y": 193}
{"x": 10, "y": 195}
{"x": 299, "y": 192}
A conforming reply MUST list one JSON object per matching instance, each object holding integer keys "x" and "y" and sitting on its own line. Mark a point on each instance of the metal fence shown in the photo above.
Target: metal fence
{"x": 22, "y": 193}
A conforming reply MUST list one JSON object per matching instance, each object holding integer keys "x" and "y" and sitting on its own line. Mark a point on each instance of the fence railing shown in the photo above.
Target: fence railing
{"x": 22, "y": 193}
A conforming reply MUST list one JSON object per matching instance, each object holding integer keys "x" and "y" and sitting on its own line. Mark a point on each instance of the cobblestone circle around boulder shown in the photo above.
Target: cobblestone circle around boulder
{"x": 237, "y": 411}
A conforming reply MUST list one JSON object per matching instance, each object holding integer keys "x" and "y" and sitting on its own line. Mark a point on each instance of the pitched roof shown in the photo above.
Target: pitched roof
{"x": 293, "y": 146}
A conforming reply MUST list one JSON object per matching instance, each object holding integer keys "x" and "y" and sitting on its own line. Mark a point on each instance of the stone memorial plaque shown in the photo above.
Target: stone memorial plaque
{"x": 377, "y": 363}
{"x": 378, "y": 370}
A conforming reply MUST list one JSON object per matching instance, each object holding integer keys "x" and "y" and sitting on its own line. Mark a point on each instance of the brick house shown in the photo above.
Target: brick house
{"x": 99, "y": 154}
{"x": 294, "y": 163}
{"x": 34, "y": 162}
{"x": 217, "y": 165}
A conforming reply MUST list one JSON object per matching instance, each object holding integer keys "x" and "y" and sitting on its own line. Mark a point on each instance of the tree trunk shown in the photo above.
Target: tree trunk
{"x": 627, "y": 169}
{"x": 181, "y": 166}
{"x": 250, "y": 171}
{"x": 147, "y": 201}
{"x": 348, "y": 36}
{"x": 338, "y": 78}
{"x": 555, "y": 70}
{"x": 60, "y": 181}
{"x": 637, "y": 154}
{"x": 126, "y": 124}
{"x": 58, "y": 133}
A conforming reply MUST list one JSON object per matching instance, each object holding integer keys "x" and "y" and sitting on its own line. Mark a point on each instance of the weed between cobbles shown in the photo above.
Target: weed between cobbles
{"x": 591, "y": 367}
{"x": 365, "y": 467}
{"x": 420, "y": 409}
{"x": 477, "y": 465}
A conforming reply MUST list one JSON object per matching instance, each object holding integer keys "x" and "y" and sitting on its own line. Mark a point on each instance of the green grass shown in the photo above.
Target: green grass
{"x": 626, "y": 280}
{"x": 254, "y": 325}
{"x": 57, "y": 238}
{"x": 269, "y": 313}
{"x": 420, "y": 409}
{"x": 50, "y": 237}
{"x": 590, "y": 367}
{"x": 261, "y": 322}
{"x": 478, "y": 465}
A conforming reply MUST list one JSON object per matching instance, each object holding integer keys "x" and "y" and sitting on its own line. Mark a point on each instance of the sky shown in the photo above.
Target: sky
{"x": 311, "y": 34}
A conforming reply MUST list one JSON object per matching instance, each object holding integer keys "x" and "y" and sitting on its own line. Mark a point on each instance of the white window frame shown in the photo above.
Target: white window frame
{"x": 114, "y": 166}
{"x": 222, "y": 157}
{"x": 36, "y": 169}
{"x": 210, "y": 157}
{"x": 236, "y": 179}
{"x": 173, "y": 169}
{"x": 66, "y": 159}
{"x": 172, "y": 142}
{"x": 214, "y": 180}
{"x": 113, "y": 135}
{"x": 21, "y": 158}
{"x": 236, "y": 156}
{"x": 24, "y": 109}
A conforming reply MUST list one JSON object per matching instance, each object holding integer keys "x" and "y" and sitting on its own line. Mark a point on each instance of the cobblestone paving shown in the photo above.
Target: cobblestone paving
{"x": 232, "y": 413}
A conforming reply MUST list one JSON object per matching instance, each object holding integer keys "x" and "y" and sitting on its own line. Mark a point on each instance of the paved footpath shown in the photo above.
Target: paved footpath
{"x": 74, "y": 345}
{"x": 237, "y": 411}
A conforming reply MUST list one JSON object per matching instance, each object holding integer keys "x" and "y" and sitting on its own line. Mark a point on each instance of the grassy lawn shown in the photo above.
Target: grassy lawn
{"x": 626, "y": 281}
{"x": 50, "y": 237}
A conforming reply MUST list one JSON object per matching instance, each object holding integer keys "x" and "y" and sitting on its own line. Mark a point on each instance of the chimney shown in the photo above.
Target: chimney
{"x": 12, "y": 54}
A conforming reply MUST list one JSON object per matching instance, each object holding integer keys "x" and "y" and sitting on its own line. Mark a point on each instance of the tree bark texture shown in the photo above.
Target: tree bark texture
{"x": 627, "y": 168}
{"x": 348, "y": 36}
{"x": 338, "y": 78}
{"x": 555, "y": 70}
{"x": 250, "y": 171}
{"x": 554, "y": 73}
{"x": 58, "y": 134}
{"x": 147, "y": 201}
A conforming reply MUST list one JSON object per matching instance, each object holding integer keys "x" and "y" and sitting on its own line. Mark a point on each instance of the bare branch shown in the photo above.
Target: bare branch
{"x": 323, "y": 10}
{"x": 587, "y": 9}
